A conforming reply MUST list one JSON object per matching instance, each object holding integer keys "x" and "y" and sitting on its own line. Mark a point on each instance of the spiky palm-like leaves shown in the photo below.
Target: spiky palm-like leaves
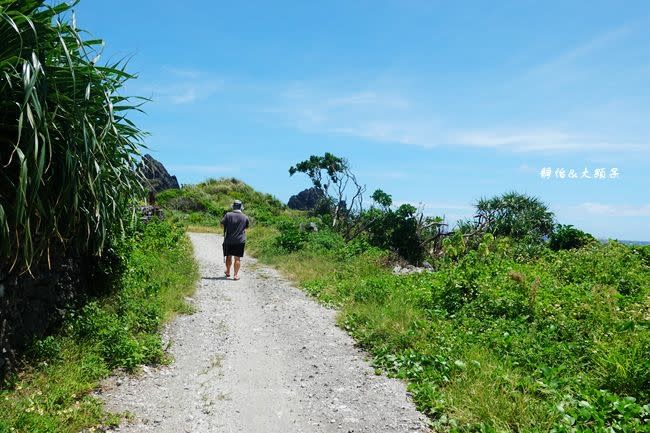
{"x": 67, "y": 151}
{"x": 516, "y": 215}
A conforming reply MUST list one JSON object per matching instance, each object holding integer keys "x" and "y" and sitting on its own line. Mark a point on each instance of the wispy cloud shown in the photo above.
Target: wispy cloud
{"x": 206, "y": 170}
{"x": 392, "y": 117}
{"x": 534, "y": 140}
{"x": 386, "y": 174}
{"x": 383, "y": 111}
{"x": 182, "y": 86}
{"x": 374, "y": 115}
{"x": 561, "y": 65}
{"x": 613, "y": 210}
{"x": 525, "y": 168}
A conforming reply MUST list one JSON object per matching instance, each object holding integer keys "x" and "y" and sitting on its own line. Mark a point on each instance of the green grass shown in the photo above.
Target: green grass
{"x": 501, "y": 338}
{"x": 489, "y": 342}
{"x": 119, "y": 330}
{"x": 204, "y": 205}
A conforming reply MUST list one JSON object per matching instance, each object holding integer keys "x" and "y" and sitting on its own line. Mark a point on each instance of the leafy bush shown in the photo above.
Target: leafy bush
{"x": 566, "y": 237}
{"x": 66, "y": 140}
{"x": 404, "y": 230}
{"x": 397, "y": 231}
{"x": 644, "y": 253}
{"x": 326, "y": 241}
{"x": 602, "y": 411}
{"x": 117, "y": 329}
{"x": 291, "y": 237}
{"x": 48, "y": 348}
{"x": 206, "y": 203}
{"x": 491, "y": 342}
{"x": 517, "y": 216}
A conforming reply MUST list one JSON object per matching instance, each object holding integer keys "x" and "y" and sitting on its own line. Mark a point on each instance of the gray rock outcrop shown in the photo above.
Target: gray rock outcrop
{"x": 158, "y": 178}
{"x": 306, "y": 200}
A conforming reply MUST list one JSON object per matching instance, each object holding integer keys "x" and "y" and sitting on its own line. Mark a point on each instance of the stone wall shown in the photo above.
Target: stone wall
{"x": 31, "y": 306}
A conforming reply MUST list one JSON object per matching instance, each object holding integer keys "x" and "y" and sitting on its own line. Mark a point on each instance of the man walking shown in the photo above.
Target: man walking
{"x": 234, "y": 225}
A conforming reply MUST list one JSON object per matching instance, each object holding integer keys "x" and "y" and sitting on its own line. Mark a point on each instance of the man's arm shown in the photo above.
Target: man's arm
{"x": 223, "y": 224}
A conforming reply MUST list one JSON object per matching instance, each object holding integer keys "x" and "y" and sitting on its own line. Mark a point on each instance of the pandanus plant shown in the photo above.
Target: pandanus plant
{"x": 67, "y": 149}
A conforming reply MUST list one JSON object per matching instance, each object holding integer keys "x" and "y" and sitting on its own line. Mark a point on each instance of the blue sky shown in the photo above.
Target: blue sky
{"x": 438, "y": 103}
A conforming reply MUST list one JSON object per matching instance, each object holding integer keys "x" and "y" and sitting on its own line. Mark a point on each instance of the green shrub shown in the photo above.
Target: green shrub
{"x": 612, "y": 264}
{"x": 206, "y": 203}
{"x": 397, "y": 231}
{"x": 325, "y": 240}
{"x": 602, "y": 411}
{"x": 566, "y": 237}
{"x": 291, "y": 237}
{"x": 66, "y": 139}
{"x": 517, "y": 216}
{"x": 118, "y": 328}
{"x": 48, "y": 348}
{"x": 498, "y": 338}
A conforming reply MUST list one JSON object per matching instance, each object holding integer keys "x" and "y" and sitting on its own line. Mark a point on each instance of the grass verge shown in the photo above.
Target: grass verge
{"x": 120, "y": 329}
{"x": 489, "y": 342}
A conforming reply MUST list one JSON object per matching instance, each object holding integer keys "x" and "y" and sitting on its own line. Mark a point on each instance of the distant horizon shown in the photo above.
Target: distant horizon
{"x": 629, "y": 242}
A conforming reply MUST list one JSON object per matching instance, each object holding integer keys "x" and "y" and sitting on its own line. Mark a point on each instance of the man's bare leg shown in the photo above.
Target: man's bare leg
{"x": 228, "y": 264}
{"x": 237, "y": 266}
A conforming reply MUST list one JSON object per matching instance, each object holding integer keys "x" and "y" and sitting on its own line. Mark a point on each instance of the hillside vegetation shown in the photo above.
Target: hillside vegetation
{"x": 206, "y": 203}
{"x": 66, "y": 140}
{"x": 84, "y": 288}
{"x": 503, "y": 335}
{"x": 144, "y": 283}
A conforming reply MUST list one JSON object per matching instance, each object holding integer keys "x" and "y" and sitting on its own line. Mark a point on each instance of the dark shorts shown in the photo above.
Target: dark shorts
{"x": 236, "y": 250}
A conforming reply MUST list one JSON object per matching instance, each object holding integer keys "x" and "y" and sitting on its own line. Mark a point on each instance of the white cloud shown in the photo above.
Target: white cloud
{"x": 382, "y": 110}
{"x": 203, "y": 169}
{"x": 381, "y": 116}
{"x": 386, "y": 174}
{"x": 559, "y": 66}
{"x": 367, "y": 99}
{"x": 541, "y": 140}
{"x": 525, "y": 168}
{"x": 182, "y": 86}
{"x": 618, "y": 210}
{"x": 392, "y": 118}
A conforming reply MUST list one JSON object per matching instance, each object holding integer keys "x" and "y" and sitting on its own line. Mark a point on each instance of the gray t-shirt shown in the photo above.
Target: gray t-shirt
{"x": 235, "y": 224}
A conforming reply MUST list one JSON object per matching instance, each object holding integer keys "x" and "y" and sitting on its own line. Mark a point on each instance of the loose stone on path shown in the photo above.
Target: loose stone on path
{"x": 259, "y": 356}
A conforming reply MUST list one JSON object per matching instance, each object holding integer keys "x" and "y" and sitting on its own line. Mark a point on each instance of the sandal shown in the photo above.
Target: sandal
{"x": 227, "y": 274}
{"x": 236, "y": 277}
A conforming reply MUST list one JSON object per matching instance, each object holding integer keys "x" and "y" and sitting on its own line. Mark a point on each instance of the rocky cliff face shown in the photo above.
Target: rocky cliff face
{"x": 156, "y": 174}
{"x": 306, "y": 200}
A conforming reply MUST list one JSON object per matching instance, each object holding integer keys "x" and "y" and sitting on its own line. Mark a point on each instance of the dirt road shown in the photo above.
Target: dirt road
{"x": 259, "y": 356}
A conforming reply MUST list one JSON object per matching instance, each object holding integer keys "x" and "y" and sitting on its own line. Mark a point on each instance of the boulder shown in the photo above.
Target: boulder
{"x": 149, "y": 212}
{"x": 157, "y": 176}
{"x": 306, "y": 200}
{"x": 309, "y": 227}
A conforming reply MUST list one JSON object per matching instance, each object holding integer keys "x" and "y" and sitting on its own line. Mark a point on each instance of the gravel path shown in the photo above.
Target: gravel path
{"x": 259, "y": 356}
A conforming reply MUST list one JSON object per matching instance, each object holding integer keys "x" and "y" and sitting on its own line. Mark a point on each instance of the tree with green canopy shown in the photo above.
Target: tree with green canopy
{"x": 345, "y": 198}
